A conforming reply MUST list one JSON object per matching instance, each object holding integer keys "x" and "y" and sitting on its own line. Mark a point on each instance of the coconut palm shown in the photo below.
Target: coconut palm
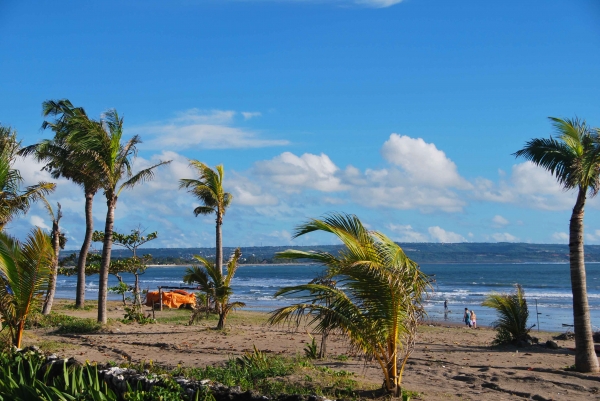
{"x": 573, "y": 157}
{"x": 208, "y": 188}
{"x": 58, "y": 243}
{"x": 24, "y": 273}
{"x": 13, "y": 201}
{"x": 215, "y": 285}
{"x": 101, "y": 142}
{"x": 378, "y": 302}
{"x": 513, "y": 313}
{"x": 62, "y": 161}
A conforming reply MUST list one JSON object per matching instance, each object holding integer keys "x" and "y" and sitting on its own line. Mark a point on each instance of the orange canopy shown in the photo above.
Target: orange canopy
{"x": 172, "y": 299}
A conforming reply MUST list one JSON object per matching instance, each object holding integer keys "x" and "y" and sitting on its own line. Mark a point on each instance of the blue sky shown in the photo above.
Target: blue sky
{"x": 403, "y": 112}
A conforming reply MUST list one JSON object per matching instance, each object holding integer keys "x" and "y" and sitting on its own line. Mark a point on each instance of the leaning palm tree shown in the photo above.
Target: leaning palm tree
{"x": 208, "y": 188}
{"x": 101, "y": 142}
{"x": 58, "y": 242}
{"x": 216, "y": 285}
{"x": 378, "y": 302}
{"x": 62, "y": 160}
{"x": 573, "y": 157}
{"x": 24, "y": 273}
{"x": 13, "y": 200}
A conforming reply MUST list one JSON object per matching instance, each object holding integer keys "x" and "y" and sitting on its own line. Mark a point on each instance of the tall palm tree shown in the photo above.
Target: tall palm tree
{"x": 13, "y": 201}
{"x": 58, "y": 243}
{"x": 63, "y": 161}
{"x": 101, "y": 142}
{"x": 24, "y": 273}
{"x": 573, "y": 157}
{"x": 208, "y": 188}
{"x": 378, "y": 302}
{"x": 216, "y": 285}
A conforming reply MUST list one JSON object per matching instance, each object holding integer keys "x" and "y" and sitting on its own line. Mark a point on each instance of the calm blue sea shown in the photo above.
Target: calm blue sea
{"x": 463, "y": 285}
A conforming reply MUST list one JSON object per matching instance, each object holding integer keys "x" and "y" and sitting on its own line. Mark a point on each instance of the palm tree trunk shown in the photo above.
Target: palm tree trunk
{"x": 219, "y": 244}
{"x": 85, "y": 247}
{"x": 52, "y": 282}
{"x": 585, "y": 356}
{"x": 111, "y": 202}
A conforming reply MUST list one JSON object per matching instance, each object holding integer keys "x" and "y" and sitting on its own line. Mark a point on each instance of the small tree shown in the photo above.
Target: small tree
{"x": 58, "y": 242}
{"x": 215, "y": 285}
{"x": 24, "y": 272}
{"x": 513, "y": 313}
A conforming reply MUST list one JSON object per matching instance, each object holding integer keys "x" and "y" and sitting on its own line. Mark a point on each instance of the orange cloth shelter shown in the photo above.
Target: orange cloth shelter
{"x": 172, "y": 299}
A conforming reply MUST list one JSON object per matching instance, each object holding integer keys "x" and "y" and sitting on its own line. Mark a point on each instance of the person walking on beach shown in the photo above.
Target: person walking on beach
{"x": 473, "y": 319}
{"x": 445, "y": 305}
{"x": 467, "y": 317}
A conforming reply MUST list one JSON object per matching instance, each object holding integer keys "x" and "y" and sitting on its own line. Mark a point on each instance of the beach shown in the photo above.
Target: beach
{"x": 449, "y": 362}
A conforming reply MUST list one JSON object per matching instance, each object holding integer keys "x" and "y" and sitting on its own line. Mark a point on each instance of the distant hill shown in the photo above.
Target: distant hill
{"x": 502, "y": 252}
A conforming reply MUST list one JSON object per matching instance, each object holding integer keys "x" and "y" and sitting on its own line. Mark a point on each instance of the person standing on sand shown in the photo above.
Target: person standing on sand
{"x": 467, "y": 317}
{"x": 445, "y": 305}
{"x": 473, "y": 319}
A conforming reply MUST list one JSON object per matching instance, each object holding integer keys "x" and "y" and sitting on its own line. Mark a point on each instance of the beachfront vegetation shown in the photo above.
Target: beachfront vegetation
{"x": 208, "y": 188}
{"x": 64, "y": 159}
{"x": 378, "y": 302}
{"x": 573, "y": 157}
{"x": 24, "y": 272}
{"x": 102, "y": 142}
{"x": 14, "y": 200}
{"x": 215, "y": 285}
{"x": 511, "y": 326}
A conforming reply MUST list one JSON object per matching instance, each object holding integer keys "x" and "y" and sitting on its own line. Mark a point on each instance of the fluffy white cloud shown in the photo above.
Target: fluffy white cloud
{"x": 308, "y": 171}
{"x": 405, "y": 233}
{"x": 203, "y": 129}
{"x": 561, "y": 237}
{"x": 39, "y": 222}
{"x": 378, "y": 3}
{"x": 423, "y": 162}
{"x": 504, "y": 237}
{"x": 438, "y": 234}
{"x": 251, "y": 114}
{"x": 499, "y": 221}
{"x": 528, "y": 185}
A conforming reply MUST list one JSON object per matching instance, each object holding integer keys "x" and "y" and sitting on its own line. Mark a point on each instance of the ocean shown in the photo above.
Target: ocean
{"x": 463, "y": 285}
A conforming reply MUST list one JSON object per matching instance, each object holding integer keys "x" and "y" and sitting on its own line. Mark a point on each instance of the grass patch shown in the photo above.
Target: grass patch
{"x": 63, "y": 323}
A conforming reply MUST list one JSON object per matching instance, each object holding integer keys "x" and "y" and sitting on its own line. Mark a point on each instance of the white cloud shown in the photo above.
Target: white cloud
{"x": 504, "y": 237}
{"x": 294, "y": 173}
{"x": 251, "y": 114}
{"x": 378, "y": 3}
{"x": 499, "y": 221}
{"x": 423, "y": 162}
{"x": 561, "y": 237}
{"x": 440, "y": 235}
{"x": 364, "y": 3}
{"x": 405, "y": 233}
{"x": 39, "y": 222}
{"x": 203, "y": 129}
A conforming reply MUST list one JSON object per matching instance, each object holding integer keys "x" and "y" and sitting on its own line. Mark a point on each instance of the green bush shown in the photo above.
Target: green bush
{"x": 63, "y": 323}
{"x": 512, "y": 311}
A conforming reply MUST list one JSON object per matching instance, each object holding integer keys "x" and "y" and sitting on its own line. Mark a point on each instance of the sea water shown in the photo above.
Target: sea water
{"x": 462, "y": 285}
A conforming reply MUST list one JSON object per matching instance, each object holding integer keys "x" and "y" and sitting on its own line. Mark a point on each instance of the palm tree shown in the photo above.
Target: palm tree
{"x": 63, "y": 161}
{"x": 13, "y": 201}
{"x": 573, "y": 157}
{"x": 58, "y": 243}
{"x": 208, "y": 188}
{"x": 100, "y": 141}
{"x": 378, "y": 302}
{"x": 24, "y": 273}
{"x": 513, "y": 313}
{"x": 215, "y": 285}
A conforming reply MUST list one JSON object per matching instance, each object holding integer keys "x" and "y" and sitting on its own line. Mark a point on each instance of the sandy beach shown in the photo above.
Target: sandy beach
{"x": 450, "y": 362}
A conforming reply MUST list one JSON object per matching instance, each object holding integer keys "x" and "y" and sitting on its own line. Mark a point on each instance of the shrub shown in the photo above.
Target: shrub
{"x": 512, "y": 310}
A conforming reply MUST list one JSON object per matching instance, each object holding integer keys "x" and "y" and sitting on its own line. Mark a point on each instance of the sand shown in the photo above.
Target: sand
{"x": 449, "y": 363}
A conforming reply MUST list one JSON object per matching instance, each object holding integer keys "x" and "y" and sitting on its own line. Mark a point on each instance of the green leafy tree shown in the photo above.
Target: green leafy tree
{"x": 208, "y": 188}
{"x": 216, "y": 285}
{"x": 13, "y": 200}
{"x": 25, "y": 269}
{"x": 378, "y": 302}
{"x": 513, "y": 313}
{"x": 65, "y": 160}
{"x": 573, "y": 157}
{"x": 102, "y": 142}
